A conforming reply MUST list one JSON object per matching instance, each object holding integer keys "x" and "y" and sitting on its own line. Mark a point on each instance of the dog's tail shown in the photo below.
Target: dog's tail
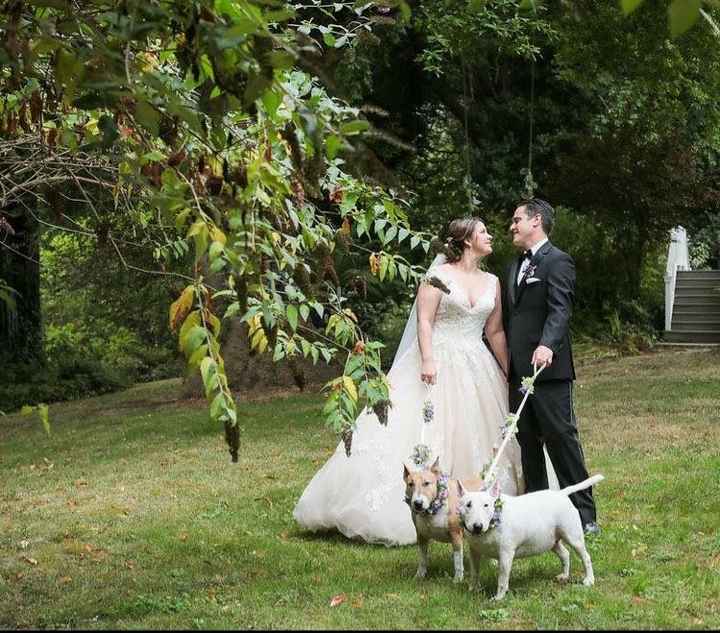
{"x": 591, "y": 481}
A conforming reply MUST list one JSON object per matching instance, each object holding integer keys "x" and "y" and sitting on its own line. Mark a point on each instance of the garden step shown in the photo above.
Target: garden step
{"x": 694, "y": 294}
{"x": 695, "y": 300}
{"x": 696, "y": 318}
{"x": 694, "y": 336}
{"x": 696, "y": 310}
{"x": 698, "y": 275}
{"x": 692, "y": 326}
{"x": 700, "y": 284}
{"x": 686, "y": 291}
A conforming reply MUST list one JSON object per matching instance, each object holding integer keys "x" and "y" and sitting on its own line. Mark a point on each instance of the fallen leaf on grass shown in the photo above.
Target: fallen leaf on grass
{"x": 24, "y": 544}
{"x": 183, "y": 536}
{"x": 29, "y": 560}
{"x": 130, "y": 564}
{"x": 65, "y": 579}
{"x": 358, "y": 602}
{"x": 338, "y": 600}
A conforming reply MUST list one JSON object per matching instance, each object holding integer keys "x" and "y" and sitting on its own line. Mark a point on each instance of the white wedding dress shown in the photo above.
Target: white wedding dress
{"x": 362, "y": 495}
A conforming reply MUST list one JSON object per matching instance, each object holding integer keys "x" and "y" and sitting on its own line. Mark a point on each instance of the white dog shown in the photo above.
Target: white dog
{"x": 503, "y": 527}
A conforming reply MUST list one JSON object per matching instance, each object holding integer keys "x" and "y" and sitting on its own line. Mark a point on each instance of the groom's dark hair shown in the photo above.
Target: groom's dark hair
{"x": 538, "y": 206}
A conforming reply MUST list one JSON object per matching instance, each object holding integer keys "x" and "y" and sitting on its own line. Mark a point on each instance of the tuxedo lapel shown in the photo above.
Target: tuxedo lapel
{"x": 534, "y": 262}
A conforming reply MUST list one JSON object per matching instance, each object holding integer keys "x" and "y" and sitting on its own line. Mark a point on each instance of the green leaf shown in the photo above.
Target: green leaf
{"x": 279, "y": 352}
{"x": 147, "y": 116}
{"x": 384, "y": 261}
{"x": 195, "y": 337}
{"x": 217, "y": 405}
{"x": 197, "y": 356}
{"x": 304, "y": 311}
{"x": 683, "y": 14}
{"x": 527, "y": 5}
{"x": 354, "y": 127}
{"x": 628, "y": 6}
{"x": 191, "y": 321}
{"x": 208, "y": 369}
{"x": 216, "y": 249}
{"x": 292, "y": 317}
{"x": 271, "y": 101}
{"x": 332, "y": 146}
{"x": 390, "y": 235}
{"x": 329, "y": 39}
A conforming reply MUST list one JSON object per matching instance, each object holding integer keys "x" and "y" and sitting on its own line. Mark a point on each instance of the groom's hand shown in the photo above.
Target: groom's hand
{"x": 542, "y": 356}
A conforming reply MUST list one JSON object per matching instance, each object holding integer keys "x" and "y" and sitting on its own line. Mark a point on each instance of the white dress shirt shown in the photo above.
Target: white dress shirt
{"x": 526, "y": 262}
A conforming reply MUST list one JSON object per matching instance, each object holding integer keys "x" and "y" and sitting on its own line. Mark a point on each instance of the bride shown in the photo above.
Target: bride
{"x": 442, "y": 354}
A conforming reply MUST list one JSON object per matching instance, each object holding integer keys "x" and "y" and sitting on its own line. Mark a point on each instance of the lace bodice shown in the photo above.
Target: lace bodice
{"x": 457, "y": 322}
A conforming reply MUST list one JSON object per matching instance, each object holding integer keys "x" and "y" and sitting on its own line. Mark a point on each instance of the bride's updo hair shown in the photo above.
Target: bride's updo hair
{"x": 459, "y": 230}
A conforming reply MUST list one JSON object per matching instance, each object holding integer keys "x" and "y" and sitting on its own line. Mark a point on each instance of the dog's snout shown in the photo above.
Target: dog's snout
{"x": 476, "y": 528}
{"x": 417, "y": 504}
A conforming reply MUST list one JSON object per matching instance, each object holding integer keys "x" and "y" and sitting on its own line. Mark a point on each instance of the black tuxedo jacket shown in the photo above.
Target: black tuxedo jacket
{"x": 537, "y": 312}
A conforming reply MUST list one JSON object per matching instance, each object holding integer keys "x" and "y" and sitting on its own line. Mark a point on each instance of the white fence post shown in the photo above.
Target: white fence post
{"x": 678, "y": 259}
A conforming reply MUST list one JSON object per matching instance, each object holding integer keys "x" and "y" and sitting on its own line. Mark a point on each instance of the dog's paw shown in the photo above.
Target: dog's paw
{"x": 562, "y": 578}
{"x": 588, "y": 582}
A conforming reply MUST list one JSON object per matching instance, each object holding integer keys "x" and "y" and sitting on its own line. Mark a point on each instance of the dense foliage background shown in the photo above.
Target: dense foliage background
{"x": 289, "y": 163}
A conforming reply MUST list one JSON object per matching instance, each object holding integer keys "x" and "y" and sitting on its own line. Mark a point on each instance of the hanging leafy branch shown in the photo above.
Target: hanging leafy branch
{"x": 196, "y": 116}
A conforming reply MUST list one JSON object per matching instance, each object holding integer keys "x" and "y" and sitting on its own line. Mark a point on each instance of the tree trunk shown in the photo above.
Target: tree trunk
{"x": 21, "y": 339}
{"x": 249, "y": 373}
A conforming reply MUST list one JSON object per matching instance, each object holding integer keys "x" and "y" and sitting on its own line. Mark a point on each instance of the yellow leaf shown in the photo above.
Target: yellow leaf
{"x": 350, "y": 388}
{"x": 181, "y": 306}
{"x": 216, "y": 235}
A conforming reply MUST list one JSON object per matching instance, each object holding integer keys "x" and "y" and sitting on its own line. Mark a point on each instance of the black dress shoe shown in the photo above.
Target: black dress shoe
{"x": 591, "y": 528}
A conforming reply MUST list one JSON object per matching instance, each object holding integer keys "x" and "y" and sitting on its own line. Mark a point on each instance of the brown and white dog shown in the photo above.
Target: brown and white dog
{"x": 433, "y": 500}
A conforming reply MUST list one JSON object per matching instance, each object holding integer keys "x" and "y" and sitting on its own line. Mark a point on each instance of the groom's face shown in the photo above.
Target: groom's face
{"x": 523, "y": 228}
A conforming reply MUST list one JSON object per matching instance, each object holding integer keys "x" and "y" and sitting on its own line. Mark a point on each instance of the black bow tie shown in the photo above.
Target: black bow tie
{"x": 527, "y": 254}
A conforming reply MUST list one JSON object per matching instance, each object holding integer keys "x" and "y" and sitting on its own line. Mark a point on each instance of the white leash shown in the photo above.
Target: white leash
{"x": 513, "y": 418}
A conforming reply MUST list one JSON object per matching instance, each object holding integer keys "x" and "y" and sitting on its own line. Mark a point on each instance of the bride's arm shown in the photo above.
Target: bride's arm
{"x": 428, "y": 300}
{"x": 496, "y": 334}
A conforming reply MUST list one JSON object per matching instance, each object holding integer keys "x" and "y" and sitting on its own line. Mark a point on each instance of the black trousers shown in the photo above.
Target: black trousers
{"x": 548, "y": 418}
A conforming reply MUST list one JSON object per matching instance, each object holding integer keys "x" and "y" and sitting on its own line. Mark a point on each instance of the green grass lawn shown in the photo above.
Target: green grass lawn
{"x": 132, "y": 516}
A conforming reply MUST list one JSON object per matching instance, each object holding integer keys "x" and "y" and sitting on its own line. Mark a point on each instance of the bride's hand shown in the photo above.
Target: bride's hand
{"x": 428, "y": 372}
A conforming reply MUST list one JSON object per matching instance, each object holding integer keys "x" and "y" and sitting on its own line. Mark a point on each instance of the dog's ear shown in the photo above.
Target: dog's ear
{"x": 461, "y": 489}
{"x": 406, "y": 473}
{"x": 435, "y": 468}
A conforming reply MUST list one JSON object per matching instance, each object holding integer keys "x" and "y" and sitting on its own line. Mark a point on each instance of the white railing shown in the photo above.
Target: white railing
{"x": 678, "y": 259}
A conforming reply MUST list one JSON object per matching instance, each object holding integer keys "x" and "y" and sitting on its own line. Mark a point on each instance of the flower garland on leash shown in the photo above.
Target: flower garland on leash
{"x": 421, "y": 453}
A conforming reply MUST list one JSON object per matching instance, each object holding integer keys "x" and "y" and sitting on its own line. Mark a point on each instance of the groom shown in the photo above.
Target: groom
{"x": 538, "y": 298}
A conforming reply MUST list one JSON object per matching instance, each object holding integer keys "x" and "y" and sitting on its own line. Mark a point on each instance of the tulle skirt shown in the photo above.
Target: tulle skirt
{"x": 362, "y": 496}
